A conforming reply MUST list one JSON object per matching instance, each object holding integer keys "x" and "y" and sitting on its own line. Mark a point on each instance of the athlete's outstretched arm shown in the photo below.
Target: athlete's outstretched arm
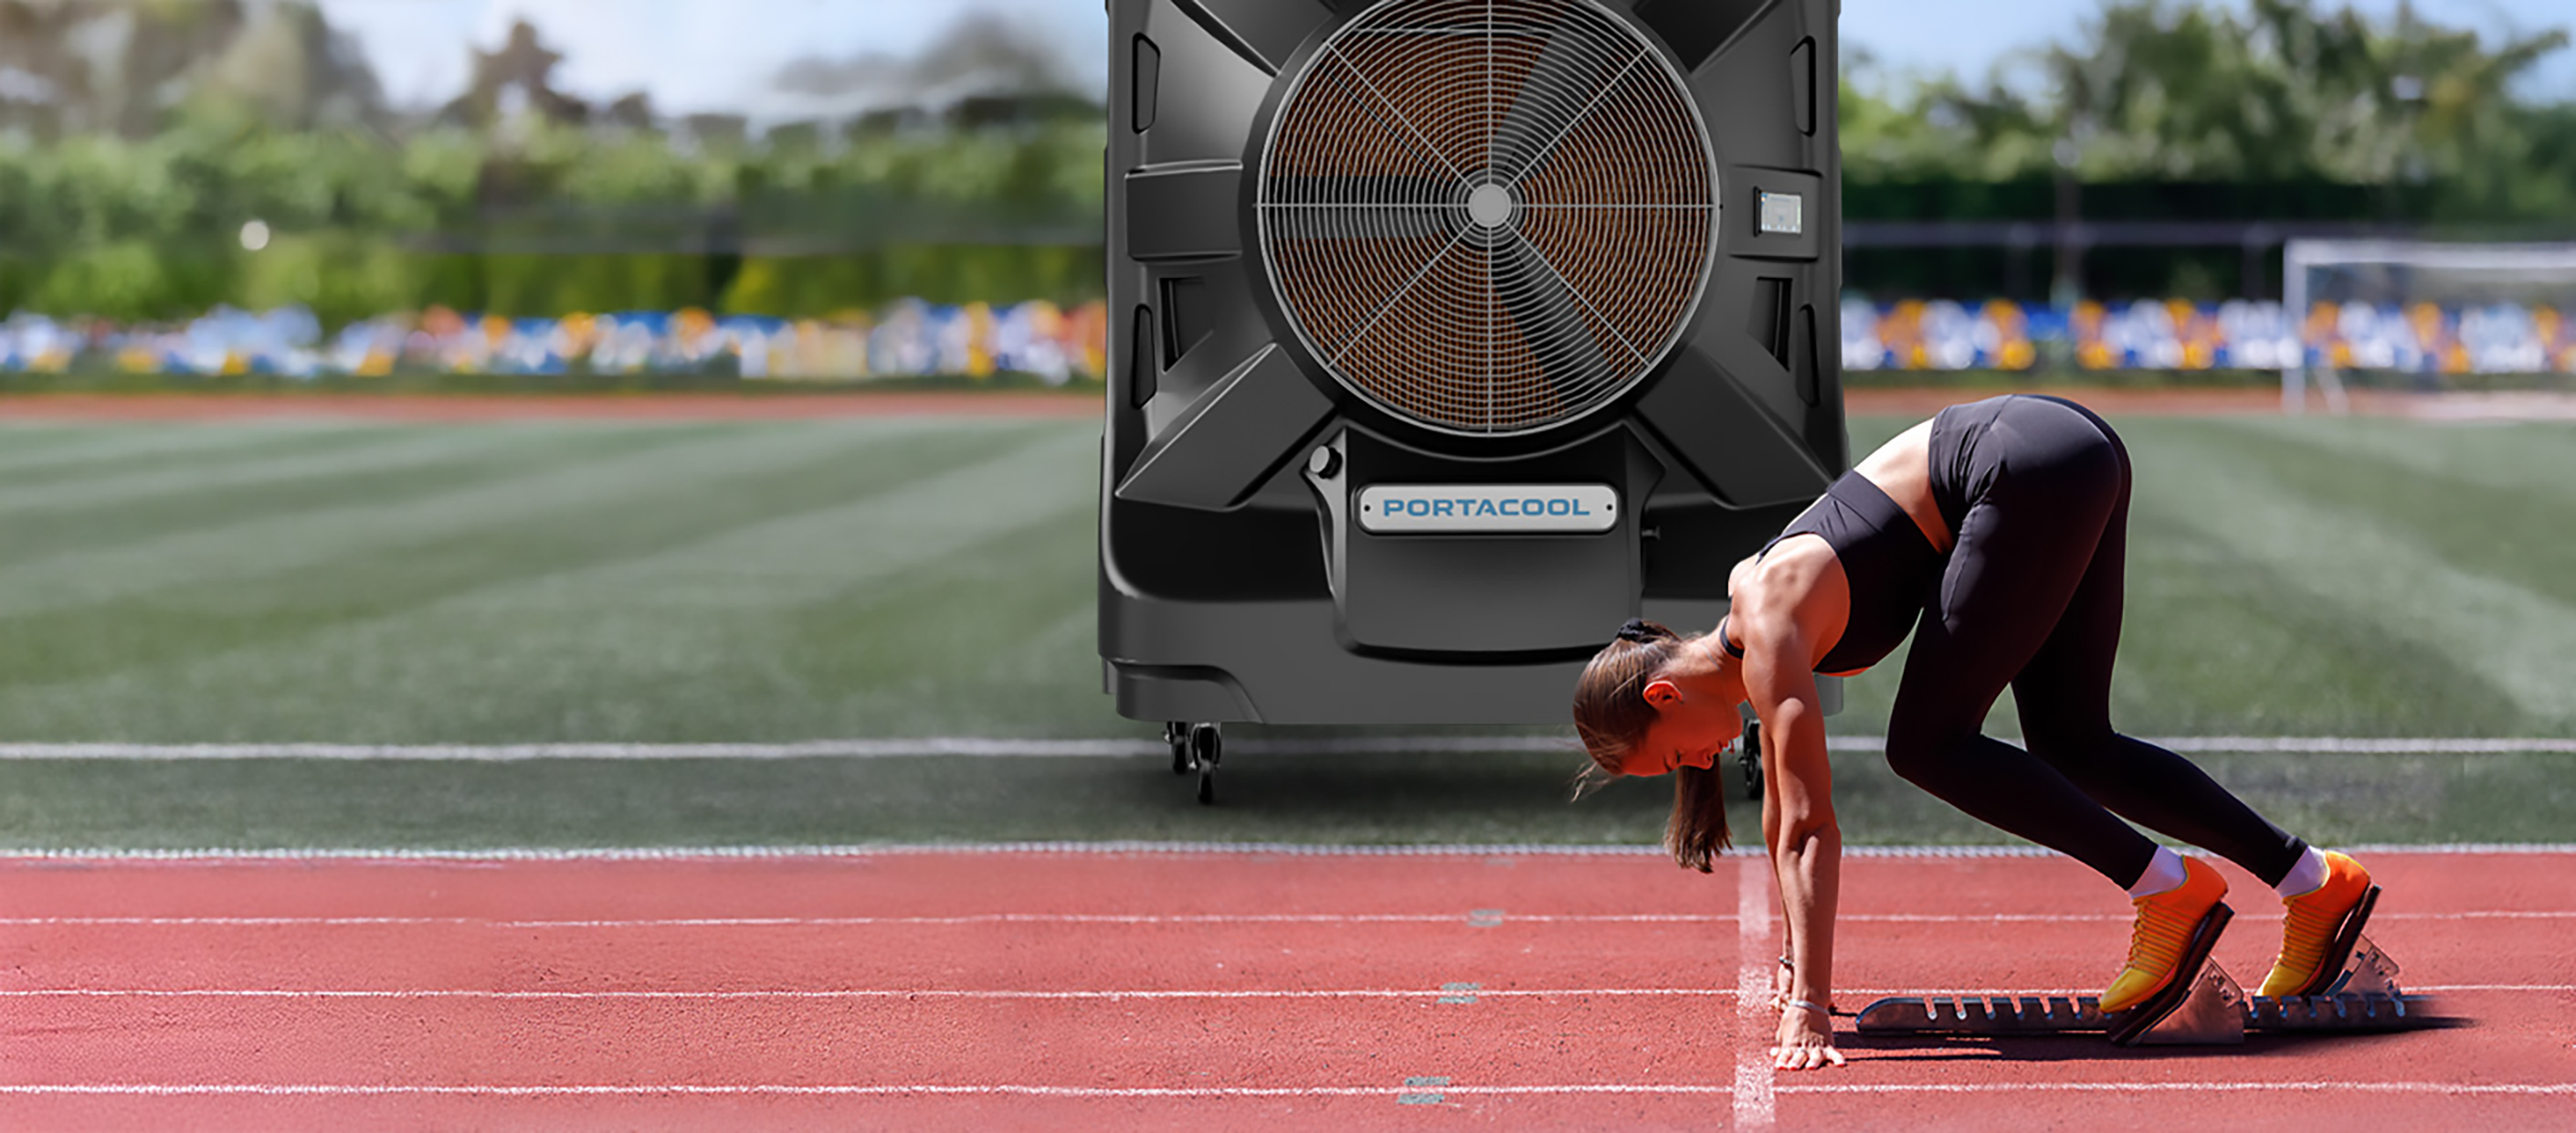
{"x": 1799, "y": 831}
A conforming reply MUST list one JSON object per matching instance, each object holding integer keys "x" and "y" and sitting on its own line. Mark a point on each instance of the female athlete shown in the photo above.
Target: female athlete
{"x": 1995, "y": 532}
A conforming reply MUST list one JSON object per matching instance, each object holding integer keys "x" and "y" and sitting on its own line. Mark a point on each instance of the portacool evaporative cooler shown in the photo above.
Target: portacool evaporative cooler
{"x": 1447, "y": 335}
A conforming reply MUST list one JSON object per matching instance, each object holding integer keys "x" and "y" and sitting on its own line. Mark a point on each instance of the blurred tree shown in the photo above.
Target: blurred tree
{"x": 289, "y": 70}
{"x": 76, "y": 66}
{"x": 519, "y": 76}
{"x": 2283, "y": 91}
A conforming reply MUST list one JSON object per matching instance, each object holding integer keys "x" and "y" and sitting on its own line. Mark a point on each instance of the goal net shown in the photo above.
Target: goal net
{"x": 2427, "y": 316}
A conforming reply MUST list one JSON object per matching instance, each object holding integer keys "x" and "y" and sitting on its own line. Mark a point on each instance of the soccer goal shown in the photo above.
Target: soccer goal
{"x": 2421, "y": 315}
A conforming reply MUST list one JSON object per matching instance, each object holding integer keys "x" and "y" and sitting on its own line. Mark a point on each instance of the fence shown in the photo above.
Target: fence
{"x": 2150, "y": 335}
{"x": 1058, "y": 345}
{"x": 905, "y": 339}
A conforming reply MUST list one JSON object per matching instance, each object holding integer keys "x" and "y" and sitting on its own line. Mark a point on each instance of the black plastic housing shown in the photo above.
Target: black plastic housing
{"x": 1234, "y": 583}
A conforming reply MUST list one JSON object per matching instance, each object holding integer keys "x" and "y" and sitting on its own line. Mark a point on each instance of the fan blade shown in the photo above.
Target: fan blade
{"x": 1361, "y": 189}
{"x": 1555, "y": 88}
{"x": 1360, "y": 208}
{"x": 1361, "y": 222}
{"x": 1550, "y": 318}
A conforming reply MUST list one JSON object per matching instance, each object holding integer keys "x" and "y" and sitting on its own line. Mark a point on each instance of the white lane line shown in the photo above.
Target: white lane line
{"x": 1005, "y": 747}
{"x": 862, "y": 922}
{"x": 935, "y": 1089}
{"x": 2361, "y": 745}
{"x": 157, "y": 1089}
{"x": 1989, "y": 992}
{"x": 1487, "y": 921}
{"x": 843, "y": 993}
{"x": 2539, "y": 1089}
{"x": 1759, "y": 997}
{"x": 2077, "y": 918}
{"x": 844, "y": 922}
{"x": 1755, "y": 1022}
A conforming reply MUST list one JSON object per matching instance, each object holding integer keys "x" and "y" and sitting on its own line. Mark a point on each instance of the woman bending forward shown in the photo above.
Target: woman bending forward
{"x": 1995, "y": 532}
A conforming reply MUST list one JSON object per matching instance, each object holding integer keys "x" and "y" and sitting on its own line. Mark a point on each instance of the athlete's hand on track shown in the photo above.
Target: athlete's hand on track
{"x": 1806, "y": 1041}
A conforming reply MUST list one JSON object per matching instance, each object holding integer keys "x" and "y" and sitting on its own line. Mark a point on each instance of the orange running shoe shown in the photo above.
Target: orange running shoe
{"x": 2164, "y": 927}
{"x": 2315, "y": 921}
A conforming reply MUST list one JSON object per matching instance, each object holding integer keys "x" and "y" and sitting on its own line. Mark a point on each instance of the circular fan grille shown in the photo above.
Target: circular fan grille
{"x": 1488, "y": 215}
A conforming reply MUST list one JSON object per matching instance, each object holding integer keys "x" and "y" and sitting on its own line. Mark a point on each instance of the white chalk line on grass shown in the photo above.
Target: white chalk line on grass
{"x": 248, "y": 1089}
{"x": 218, "y": 855}
{"x": 971, "y": 746}
{"x": 986, "y": 747}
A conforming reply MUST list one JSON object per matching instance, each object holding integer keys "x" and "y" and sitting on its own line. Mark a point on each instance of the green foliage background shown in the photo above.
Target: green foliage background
{"x": 2285, "y": 110}
{"x": 555, "y": 219}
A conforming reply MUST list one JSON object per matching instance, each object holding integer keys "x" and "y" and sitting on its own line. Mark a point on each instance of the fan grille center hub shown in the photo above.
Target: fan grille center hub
{"x": 1490, "y": 205}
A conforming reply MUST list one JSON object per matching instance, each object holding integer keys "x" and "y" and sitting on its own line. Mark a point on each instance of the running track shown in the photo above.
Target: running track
{"x": 1189, "y": 988}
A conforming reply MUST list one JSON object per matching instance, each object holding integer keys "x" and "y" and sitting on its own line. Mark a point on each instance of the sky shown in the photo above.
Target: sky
{"x": 690, "y": 55}
{"x": 720, "y": 55}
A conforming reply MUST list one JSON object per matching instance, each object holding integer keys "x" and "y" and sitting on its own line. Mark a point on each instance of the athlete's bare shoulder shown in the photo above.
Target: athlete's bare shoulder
{"x": 1795, "y": 595}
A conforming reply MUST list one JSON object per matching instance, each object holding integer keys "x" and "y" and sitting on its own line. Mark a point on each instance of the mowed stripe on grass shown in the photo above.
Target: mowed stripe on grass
{"x": 777, "y": 582}
{"x": 2446, "y": 568}
{"x": 515, "y": 606}
{"x": 258, "y": 592}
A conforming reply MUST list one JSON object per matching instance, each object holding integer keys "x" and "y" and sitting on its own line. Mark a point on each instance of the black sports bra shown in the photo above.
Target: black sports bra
{"x": 1892, "y": 568}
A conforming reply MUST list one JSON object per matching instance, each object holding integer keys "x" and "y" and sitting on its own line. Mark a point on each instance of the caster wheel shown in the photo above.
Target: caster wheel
{"x": 1206, "y": 750}
{"x": 1751, "y": 760}
{"x": 1177, "y": 736}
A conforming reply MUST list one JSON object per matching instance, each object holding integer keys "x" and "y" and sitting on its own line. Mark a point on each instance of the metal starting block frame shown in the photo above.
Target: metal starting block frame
{"x": 2214, "y": 1011}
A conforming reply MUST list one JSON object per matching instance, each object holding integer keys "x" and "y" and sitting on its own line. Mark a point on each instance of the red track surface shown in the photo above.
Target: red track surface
{"x": 1217, "y": 989}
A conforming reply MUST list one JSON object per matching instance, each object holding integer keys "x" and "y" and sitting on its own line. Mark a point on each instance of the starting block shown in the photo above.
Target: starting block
{"x": 2355, "y": 993}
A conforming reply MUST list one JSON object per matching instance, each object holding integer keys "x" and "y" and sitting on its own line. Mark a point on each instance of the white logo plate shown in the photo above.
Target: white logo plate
{"x": 1404, "y": 509}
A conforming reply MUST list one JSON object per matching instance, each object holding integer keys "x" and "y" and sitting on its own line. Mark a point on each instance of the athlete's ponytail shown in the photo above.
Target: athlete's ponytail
{"x": 1611, "y": 715}
{"x": 1697, "y": 830}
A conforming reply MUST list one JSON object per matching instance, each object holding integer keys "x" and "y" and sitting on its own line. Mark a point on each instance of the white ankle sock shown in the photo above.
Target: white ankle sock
{"x": 2164, "y": 872}
{"x": 2306, "y": 877}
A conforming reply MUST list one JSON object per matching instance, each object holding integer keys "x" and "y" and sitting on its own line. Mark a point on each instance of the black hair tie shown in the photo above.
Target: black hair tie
{"x": 1637, "y": 630}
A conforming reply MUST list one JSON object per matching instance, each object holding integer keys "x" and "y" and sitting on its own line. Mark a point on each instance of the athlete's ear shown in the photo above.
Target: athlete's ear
{"x": 1662, "y": 693}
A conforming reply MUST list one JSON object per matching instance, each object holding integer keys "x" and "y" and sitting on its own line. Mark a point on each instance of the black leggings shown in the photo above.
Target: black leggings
{"x": 2032, "y": 596}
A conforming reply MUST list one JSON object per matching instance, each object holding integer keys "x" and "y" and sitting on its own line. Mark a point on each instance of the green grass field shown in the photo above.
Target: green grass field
{"x": 765, "y": 581}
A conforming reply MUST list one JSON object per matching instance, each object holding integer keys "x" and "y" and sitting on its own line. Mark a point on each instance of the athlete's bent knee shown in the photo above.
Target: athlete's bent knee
{"x": 1916, "y": 757}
